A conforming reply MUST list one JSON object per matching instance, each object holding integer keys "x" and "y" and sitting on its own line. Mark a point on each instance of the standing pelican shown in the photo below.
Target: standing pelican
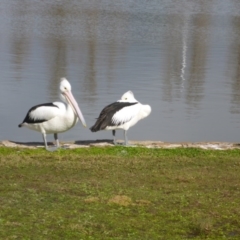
{"x": 55, "y": 117}
{"x": 122, "y": 114}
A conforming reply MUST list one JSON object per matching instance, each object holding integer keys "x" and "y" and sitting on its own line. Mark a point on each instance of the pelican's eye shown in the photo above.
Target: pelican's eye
{"x": 125, "y": 98}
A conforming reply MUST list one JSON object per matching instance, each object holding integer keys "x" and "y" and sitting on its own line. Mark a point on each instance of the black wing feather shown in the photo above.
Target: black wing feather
{"x": 105, "y": 118}
{"x": 30, "y": 120}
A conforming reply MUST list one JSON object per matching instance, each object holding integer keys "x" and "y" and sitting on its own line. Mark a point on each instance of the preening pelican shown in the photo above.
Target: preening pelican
{"x": 122, "y": 114}
{"x": 55, "y": 117}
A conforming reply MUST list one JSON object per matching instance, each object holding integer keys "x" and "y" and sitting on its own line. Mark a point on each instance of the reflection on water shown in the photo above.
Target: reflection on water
{"x": 182, "y": 58}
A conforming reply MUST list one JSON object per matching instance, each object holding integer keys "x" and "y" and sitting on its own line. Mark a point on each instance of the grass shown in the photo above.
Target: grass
{"x": 119, "y": 193}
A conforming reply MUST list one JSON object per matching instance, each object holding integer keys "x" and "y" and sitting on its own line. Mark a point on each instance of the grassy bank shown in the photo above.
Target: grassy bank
{"x": 119, "y": 193}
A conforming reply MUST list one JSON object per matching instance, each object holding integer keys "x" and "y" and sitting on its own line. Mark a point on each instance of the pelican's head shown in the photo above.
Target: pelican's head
{"x": 67, "y": 96}
{"x": 128, "y": 97}
{"x": 65, "y": 86}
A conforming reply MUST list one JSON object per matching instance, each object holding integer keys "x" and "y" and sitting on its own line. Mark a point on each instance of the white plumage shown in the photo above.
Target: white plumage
{"x": 126, "y": 115}
{"x": 54, "y": 117}
{"x": 122, "y": 114}
{"x": 46, "y": 113}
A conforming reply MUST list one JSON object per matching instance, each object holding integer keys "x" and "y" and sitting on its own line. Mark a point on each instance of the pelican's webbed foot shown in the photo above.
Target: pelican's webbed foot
{"x": 52, "y": 149}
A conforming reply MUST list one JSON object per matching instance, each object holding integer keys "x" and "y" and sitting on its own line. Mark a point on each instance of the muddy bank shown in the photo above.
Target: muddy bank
{"x": 107, "y": 142}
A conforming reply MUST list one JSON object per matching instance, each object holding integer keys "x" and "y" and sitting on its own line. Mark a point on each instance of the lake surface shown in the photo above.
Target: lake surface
{"x": 180, "y": 57}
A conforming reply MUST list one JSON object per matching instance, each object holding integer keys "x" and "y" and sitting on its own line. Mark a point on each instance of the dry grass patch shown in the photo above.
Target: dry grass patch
{"x": 120, "y": 200}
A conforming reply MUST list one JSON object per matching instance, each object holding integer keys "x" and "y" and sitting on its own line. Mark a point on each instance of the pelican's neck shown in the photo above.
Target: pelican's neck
{"x": 70, "y": 114}
{"x": 63, "y": 99}
{"x": 70, "y": 111}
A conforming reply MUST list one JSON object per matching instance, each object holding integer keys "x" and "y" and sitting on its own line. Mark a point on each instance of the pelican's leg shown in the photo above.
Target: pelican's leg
{"x": 45, "y": 140}
{"x": 50, "y": 149}
{"x": 126, "y": 140}
{"x": 57, "y": 142}
{"x": 114, "y": 137}
{"x": 56, "y": 139}
{"x": 54, "y": 148}
{"x": 125, "y": 137}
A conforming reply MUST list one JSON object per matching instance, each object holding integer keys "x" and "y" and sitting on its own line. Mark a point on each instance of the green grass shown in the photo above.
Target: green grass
{"x": 119, "y": 193}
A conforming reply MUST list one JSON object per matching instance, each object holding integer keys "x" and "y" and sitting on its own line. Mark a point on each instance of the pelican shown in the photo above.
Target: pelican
{"x": 55, "y": 117}
{"x": 122, "y": 114}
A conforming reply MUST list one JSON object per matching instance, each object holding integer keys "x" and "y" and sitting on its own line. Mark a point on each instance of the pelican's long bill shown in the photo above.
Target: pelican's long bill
{"x": 70, "y": 98}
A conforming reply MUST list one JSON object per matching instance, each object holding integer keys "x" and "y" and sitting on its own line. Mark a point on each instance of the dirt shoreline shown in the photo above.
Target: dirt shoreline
{"x": 108, "y": 142}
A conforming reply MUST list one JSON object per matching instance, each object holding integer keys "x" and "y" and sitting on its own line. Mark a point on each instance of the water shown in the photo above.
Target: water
{"x": 181, "y": 57}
